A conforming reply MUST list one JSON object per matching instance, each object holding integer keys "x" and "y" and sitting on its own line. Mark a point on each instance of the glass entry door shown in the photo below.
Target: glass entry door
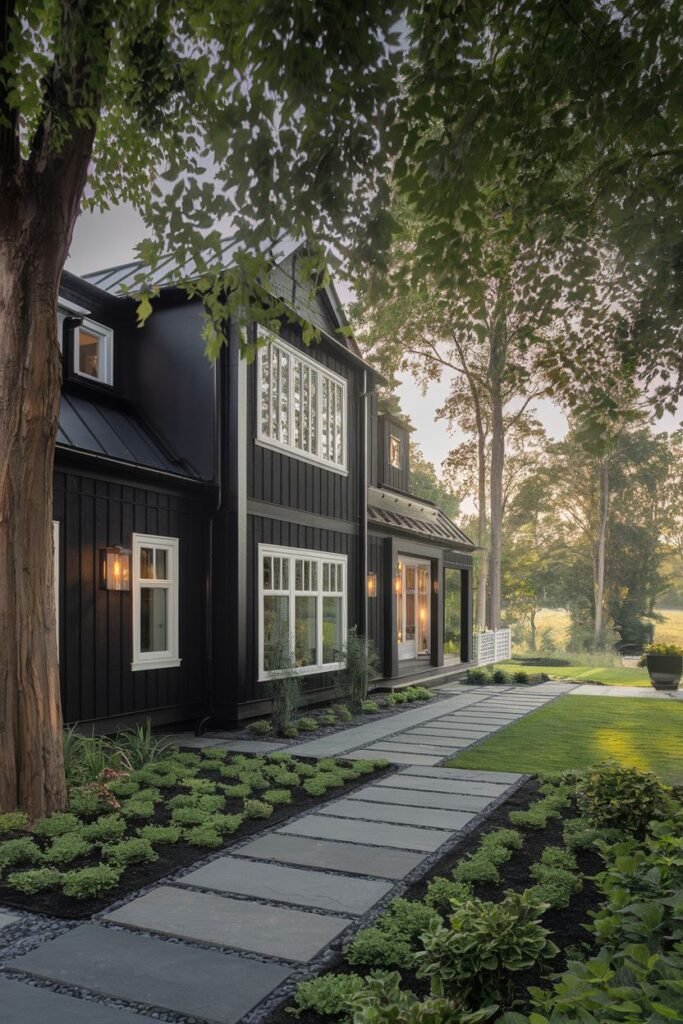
{"x": 412, "y": 608}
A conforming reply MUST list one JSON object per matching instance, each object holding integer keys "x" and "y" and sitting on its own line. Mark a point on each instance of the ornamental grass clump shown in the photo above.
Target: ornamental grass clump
{"x": 362, "y": 665}
{"x": 284, "y": 685}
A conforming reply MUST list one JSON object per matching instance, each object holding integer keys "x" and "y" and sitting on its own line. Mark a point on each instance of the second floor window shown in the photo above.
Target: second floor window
{"x": 94, "y": 352}
{"x": 395, "y": 451}
{"x": 301, "y": 405}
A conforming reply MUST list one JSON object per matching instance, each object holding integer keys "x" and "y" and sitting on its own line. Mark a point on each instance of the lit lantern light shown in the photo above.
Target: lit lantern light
{"x": 372, "y": 584}
{"x": 115, "y": 568}
{"x": 398, "y": 580}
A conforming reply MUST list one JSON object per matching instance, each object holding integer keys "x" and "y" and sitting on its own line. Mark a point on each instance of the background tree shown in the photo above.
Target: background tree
{"x": 425, "y": 483}
{"x": 268, "y": 117}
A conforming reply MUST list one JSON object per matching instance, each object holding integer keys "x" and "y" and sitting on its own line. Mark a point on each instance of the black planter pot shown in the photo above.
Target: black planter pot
{"x": 665, "y": 670}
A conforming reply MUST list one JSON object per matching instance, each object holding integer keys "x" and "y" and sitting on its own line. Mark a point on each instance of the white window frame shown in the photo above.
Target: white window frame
{"x": 270, "y": 550}
{"x": 66, "y": 308}
{"x": 105, "y": 350}
{"x": 395, "y": 442}
{"x": 272, "y": 341}
{"x": 146, "y": 660}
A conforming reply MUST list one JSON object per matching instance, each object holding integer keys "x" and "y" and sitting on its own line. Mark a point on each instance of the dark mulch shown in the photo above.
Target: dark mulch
{"x": 171, "y": 858}
{"x": 566, "y": 926}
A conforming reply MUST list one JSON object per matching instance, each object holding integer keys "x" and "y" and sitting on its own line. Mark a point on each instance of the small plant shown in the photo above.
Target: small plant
{"x": 130, "y": 851}
{"x": 578, "y": 834}
{"x": 343, "y": 712}
{"x": 34, "y": 880}
{"x": 89, "y": 883}
{"x": 383, "y": 1001}
{"x": 472, "y": 957}
{"x": 441, "y": 891}
{"x": 520, "y": 678}
{"x": 277, "y": 797}
{"x": 85, "y": 801}
{"x": 67, "y": 848}
{"x": 138, "y": 747}
{"x": 289, "y": 732}
{"x": 225, "y": 823}
{"x": 284, "y": 686}
{"x": 57, "y": 824}
{"x": 422, "y": 693}
{"x": 239, "y": 791}
{"x": 362, "y": 665}
{"x": 18, "y": 851}
{"x": 204, "y": 835}
{"x": 369, "y": 707}
{"x": 389, "y": 942}
{"x": 327, "y": 995}
{"x": 138, "y": 809}
{"x": 257, "y": 809}
{"x": 282, "y": 775}
{"x": 13, "y": 821}
{"x": 542, "y": 811}
{"x": 261, "y": 727}
{"x": 164, "y": 835}
{"x": 123, "y": 787}
{"x": 189, "y": 816}
{"x": 477, "y": 677}
{"x": 661, "y": 651}
{"x": 86, "y": 757}
{"x": 307, "y": 724}
{"x": 500, "y": 677}
{"x": 327, "y": 719}
{"x": 612, "y": 796}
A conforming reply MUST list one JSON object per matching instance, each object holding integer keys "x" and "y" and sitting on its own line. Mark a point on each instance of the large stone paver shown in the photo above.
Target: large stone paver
{"x": 444, "y": 742}
{"x": 419, "y": 798}
{"x": 352, "y": 858}
{"x": 202, "y": 983}
{"x": 394, "y": 756}
{"x": 400, "y": 837}
{"x": 422, "y": 816}
{"x": 647, "y": 692}
{"x": 289, "y": 885}
{"x": 404, "y": 747}
{"x": 26, "y": 1004}
{"x": 501, "y": 779}
{"x": 6, "y": 919}
{"x": 442, "y": 785}
{"x": 238, "y": 924}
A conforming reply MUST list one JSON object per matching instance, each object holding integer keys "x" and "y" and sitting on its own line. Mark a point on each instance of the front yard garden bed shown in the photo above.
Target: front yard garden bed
{"x": 129, "y": 829}
{"x": 512, "y": 905}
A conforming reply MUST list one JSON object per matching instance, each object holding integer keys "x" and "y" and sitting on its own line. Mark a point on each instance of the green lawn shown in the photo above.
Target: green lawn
{"x": 574, "y": 732}
{"x": 587, "y": 673}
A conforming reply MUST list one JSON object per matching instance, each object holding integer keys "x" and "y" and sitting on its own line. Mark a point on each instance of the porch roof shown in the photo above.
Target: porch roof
{"x": 415, "y": 516}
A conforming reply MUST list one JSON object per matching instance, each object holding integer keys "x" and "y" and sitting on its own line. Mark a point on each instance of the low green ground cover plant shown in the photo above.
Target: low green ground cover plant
{"x": 125, "y": 818}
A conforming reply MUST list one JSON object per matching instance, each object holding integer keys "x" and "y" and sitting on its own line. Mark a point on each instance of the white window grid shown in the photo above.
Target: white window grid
{"x": 330, "y": 573}
{"x": 147, "y": 660}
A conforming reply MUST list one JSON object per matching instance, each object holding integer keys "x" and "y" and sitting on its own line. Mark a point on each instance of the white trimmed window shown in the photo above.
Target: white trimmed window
{"x": 395, "y": 451}
{"x": 94, "y": 352}
{"x": 302, "y": 598}
{"x": 155, "y": 602}
{"x": 301, "y": 405}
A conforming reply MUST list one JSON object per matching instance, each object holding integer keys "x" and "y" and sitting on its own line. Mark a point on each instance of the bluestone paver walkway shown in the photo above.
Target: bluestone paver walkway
{"x": 215, "y": 941}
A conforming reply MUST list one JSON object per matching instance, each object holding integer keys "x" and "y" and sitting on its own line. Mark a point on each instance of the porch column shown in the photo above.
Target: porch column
{"x": 436, "y": 615}
{"x": 390, "y": 646}
{"x": 466, "y": 622}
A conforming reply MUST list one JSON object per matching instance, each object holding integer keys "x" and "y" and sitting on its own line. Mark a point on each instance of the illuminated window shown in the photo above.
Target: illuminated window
{"x": 93, "y": 352}
{"x": 155, "y": 602}
{"x": 395, "y": 451}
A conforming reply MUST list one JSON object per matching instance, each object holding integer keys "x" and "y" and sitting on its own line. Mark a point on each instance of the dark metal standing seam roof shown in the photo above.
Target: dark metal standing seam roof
{"x": 411, "y": 515}
{"x": 98, "y": 428}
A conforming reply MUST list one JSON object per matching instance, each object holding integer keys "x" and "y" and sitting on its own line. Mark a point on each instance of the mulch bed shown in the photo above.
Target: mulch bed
{"x": 171, "y": 857}
{"x": 567, "y": 926}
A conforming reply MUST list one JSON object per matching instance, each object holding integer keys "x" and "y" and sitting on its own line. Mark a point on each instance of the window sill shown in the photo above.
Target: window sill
{"x": 294, "y": 453}
{"x": 144, "y": 666}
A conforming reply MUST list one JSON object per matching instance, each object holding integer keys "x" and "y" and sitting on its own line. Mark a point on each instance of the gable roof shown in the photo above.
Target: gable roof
{"x": 414, "y": 516}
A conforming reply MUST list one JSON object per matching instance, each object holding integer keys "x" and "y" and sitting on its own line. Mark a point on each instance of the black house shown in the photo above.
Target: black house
{"x": 199, "y": 508}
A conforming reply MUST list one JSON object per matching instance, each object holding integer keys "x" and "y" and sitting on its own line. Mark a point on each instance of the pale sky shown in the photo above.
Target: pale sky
{"x": 107, "y": 239}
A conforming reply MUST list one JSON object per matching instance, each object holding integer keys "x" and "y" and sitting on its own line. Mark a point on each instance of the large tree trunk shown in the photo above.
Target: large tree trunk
{"x": 600, "y": 553}
{"x": 482, "y": 539}
{"x": 496, "y": 371}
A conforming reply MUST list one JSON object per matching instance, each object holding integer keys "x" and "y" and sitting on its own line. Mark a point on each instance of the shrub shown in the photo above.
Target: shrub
{"x": 304, "y": 770}
{"x": 64, "y": 849}
{"x": 326, "y": 995}
{"x": 225, "y": 823}
{"x": 541, "y": 812}
{"x": 256, "y": 779}
{"x": 239, "y": 791}
{"x": 343, "y": 712}
{"x": 13, "y": 821}
{"x": 306, "y": 724}
{"x": 284, "y": 687}
{"x": 138, "y": 809}
{"x": 369, "y": 707}
{"x": 164, "y": 835}
{"x": 315, "y": 786}
{"x": 35, "y": 880}
{"x": 500, "y": 677}
{"x": 389, "y": 942}
{"x": 521, "y": 678}
{"x": 555, "y": 886}
{"x": 203, "y": 835}
{"x": 612, "y": 796}
{"x": 277, "y": 796}
{"x": 149, "y": 795}
{"x": 57, "y": 824}
{"x": 477, "y": 869}
{"x": 257, "y": 809}
{"x": 557, "y": 857}
{"x": 18, "y": 851}
{"x": 211, "y": 804}
{"x": 510, "y": 838}
{"x": 85, "y": 801}
{"x": 383, "y": 1001}
{"x": 422, "y": 693}
{"x": 189, "y": 816}
{"x": 130, "y": 851}
{"x": 88, "y": 883}
{"x": 215, "y": 755}
{"x": 199, "y": 787}
{"x": 477, "y": 677}
{"x": 327, "y": 718}
{"x": 471, "y": 958}
{"x": 261, "y": 727}
{"x": 441, "y": 891}
{"x": 123, "y": 787}
{"x": 282, "y": 775}
{"x": 289, "y": 732}
{"x": 578, "y": 834}
{"x": 661, "y": 650}
{"x": 362, "y": 665}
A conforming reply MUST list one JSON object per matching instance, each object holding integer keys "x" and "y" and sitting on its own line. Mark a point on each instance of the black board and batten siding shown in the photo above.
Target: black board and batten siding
{"x": 398, "y": 478}
{"x": 95, "y": 626}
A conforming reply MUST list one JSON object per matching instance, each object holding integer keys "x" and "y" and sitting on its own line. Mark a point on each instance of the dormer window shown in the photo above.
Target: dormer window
{"x": 395, "y": 451}
{"x": 94, "y": 352}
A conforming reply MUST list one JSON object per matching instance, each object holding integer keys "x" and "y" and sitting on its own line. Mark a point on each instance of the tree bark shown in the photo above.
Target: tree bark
{"x": 496, "y": 372}
{"x": 600, "y": 553}
{"x": 532, "y": 625}
{"x": 482, "y": 524}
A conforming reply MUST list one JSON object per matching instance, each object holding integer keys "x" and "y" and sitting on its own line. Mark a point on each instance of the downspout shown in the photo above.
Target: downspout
{"x": 364, "y": 512}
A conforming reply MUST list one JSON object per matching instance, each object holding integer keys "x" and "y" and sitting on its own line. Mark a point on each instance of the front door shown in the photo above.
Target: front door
{"x": 412, "y": 608}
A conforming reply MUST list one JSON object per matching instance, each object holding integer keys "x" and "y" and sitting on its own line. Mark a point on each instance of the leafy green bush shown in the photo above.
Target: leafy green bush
{"x": 164, "y": 835}
{"x": 613, "y": 796}
{"x": 578, "y": 834}
{"x": 282, "y": 775}
{"x": 542, "y": 811}
{"x": 261, "y": 727}
{"x": 362, "y": 665}
{"x": 277, "y": 797}
{"x": 315, "y": 786}
{"x": 203, "y": 835}
{"x": 555, "y": 886}
{"x": 88, "y": 883}
{"x": 472, "y": 958}
{"x": 138, "y": 809}
{"x": 383, "y": 1001}
{"x": 306, "y": 724}
{"x": 343, "y": 712}
{"x": 34, "y": 880}
{"x": 289, "y": 732}
{"x": 57, "y": 824}
{"x": 210, "y": 803}
{"x": 521, "y": 678}
{"x": 477, "y": 869}
{"x": 660, "y": 650}
{"x": 557, "y": 857}
{"x": 500, "y": 677}
{"x": 477, "y": 677}
{"x": 13, "y": 821}
{"x": 327, "y": 995}
{"x": 257, "y": 809}
{"x": 369, "y": 707}
{"x": 18, "y": 851}
{"x": 422, "y": 693}
{"x": 389, "y": 942}
{"x": 188, "y": 816}
{"x": 65, "y": 849}
{"x": 239, "y": 791}
{"x": 441, "y": 891}
{"x": 225, "y": 823}
{"x": 327, "y": 719}
{"x": 123, "y": 787}
{"x": 130, "y": 851}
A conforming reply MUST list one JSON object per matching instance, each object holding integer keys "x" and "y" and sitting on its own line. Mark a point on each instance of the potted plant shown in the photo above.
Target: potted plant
{"x": 664, "y": 664}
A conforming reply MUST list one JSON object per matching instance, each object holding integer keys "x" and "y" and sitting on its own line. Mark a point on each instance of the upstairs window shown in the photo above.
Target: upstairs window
{"x": 301, "y": 405}
{"x": 94, "y": 352}
{"x": 395, "y": 451}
